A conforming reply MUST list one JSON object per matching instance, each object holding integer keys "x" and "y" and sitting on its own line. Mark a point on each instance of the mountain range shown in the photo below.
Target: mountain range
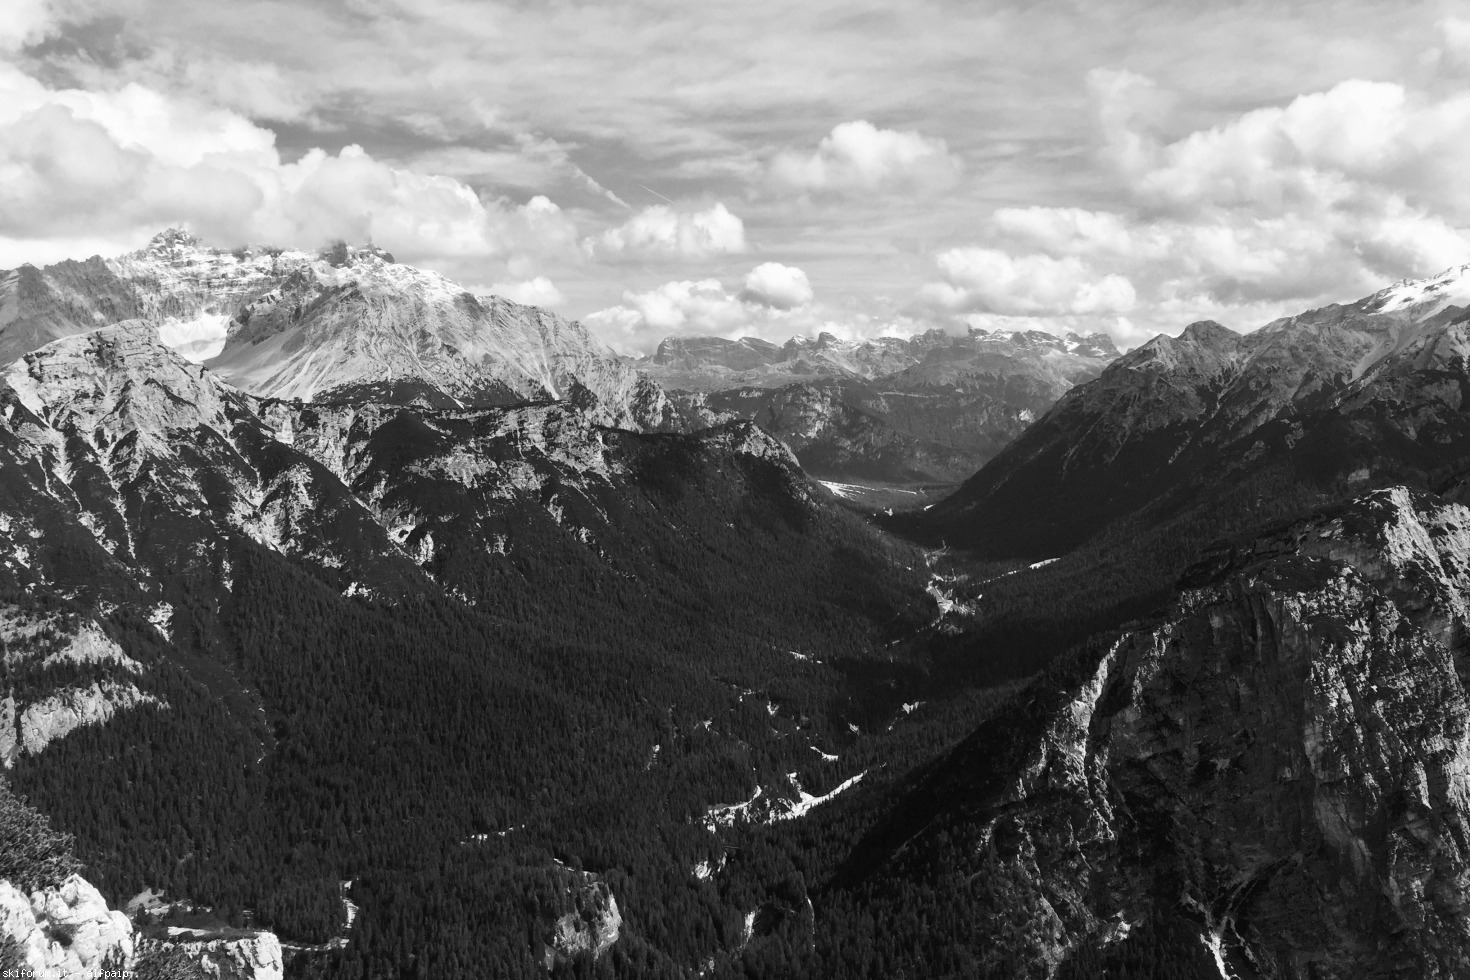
{"x": 353, "y": 625}
{"x": 327, "y": 326}
{"x": 931, "y": 408}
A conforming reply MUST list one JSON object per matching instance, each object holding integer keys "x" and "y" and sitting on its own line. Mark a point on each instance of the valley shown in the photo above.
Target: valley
{"x": 998, "y": 654}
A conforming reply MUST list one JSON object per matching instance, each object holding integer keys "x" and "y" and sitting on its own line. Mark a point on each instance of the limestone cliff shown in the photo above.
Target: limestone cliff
{"x": 254, "y": 957}
{"x": 64, "y": 932}
{"x": 1277, "y": 769}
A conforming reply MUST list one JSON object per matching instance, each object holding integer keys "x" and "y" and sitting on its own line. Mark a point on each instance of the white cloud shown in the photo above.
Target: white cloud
{"x": 118, "y": 165}
{"x": 1455, "y": 33}
{"x": 774, "y": 303}
{"x": 661, "y": 231}
{"x": 858, "y": 156}
{"x": 779, "y": 286}
{"x": 991, "y": 281}
{"x": 24, "y": 22}
{"x": 1325, "y": 198}
{"x": 539, "y": 291}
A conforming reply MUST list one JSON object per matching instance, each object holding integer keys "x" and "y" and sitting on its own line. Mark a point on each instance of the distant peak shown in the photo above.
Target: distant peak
{"x": 1208, "y": 333}
{"x": 173, "y": 240}
{"x": 1450, "y": 286}
{"x": 339, "y": 254}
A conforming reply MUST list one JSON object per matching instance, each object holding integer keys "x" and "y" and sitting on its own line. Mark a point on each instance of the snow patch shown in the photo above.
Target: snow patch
{"x": 729, "y": 814}
{"x": 806, "y": 802}
{"x": 160, "y": 616}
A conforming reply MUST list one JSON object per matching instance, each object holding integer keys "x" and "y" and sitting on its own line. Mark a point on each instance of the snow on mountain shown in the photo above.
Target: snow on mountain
{"x": 1429, "y": 295}
{"x": 1322, "y": 394}
{"x": 713, "y": 363}
{"x": 345, "y": 322}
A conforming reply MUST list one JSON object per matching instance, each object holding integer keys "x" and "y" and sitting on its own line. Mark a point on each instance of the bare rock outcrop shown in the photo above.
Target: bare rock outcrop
{"x": 1276, "y": 769}
{"x": 255, "y": 957}
{"x": 591, "y": 925}
{"x": 65, "y": 932}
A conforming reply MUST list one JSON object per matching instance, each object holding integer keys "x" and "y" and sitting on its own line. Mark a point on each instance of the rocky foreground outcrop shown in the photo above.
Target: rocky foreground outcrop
{"x": 1273, "y": 777}
{"x": 64, "y": 932}
{"x": 253, "y": 957}
{"x": 67, "y": 932}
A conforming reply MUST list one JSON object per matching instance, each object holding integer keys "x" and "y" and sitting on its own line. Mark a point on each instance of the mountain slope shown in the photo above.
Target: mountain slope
{"x": 343, "y": 323}
{"x": 1311, "y": 398}
{"x": 422, "y": 648}
{"x": 1269, "y": 780}
{"x": 929, "y": 409}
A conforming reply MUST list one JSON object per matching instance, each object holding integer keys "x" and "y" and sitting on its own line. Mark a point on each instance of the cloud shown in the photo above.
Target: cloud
{"x": 778, "y": 286}
{"x": 775, "y": 303}
{"x": 858, "y": 156}
{"x": 539, "y": 291}
{"x": 1325, "y": 198}
{"x": 662, "y": 231}
{"x": 991, "y": 281}
{"x": 118, "y": 165}
{"x": 25, "y": 22}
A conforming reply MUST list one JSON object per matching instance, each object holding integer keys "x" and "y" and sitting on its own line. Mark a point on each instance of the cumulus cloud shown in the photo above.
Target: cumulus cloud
{"x": 25, "y": 22}
{"x": 991, "y": 281}
{"x": 1365, "y": 176}
{"x": 778, "y": 286}
{"x": 1327, "y": 197}
{"x": 117, "y": 165}
{"x": 858, "y": 156}
{"x": 539, "y": 291}
{"x": 775, "y": 302}
{"x": 662, "y": 231}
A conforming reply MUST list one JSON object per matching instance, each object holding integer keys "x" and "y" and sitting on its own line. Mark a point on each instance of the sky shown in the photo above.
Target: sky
{"x": 668, "y": 167}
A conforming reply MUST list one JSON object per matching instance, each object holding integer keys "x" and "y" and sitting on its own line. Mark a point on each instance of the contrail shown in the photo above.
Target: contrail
{"x": 656, "y": 193}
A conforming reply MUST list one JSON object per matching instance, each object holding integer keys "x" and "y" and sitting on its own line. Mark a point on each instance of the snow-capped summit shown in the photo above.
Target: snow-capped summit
{"x": 1424, "y": 297}
{"x": 340, "y": 322}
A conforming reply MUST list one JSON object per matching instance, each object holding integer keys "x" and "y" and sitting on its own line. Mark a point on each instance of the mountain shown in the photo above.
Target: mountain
{"x": 1268, "y": 779}
{"x": 343, "y": 323}
{"x": 256, "y": 648}
{"x": 1344, "y": 396}
{"x": 931, "y": 408}
{"x": 716, "y": 363}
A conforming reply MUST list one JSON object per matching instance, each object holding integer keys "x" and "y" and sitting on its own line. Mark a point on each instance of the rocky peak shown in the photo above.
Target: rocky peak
{"x": 285, "y": 323}
{"x": 1422, "y": 297}
{"x": 1091, "y": 345}
{"x": 1208, "y": 333}
{"x": 1203, "y": 348}
{"x": 172, "y": 243}
{"x": 120, "y": 381}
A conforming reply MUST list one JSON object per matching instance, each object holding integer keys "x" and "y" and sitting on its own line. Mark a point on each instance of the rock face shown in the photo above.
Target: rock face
{"x": 931, "y": 408}
{"x": 130, "y": 474}
{"x": 1276, "y": 773}
{"x": 255, "y": 957}
{"x": 44, "y": 721}
{"x": 1316, "y": 394}
{"x": 128, "y": 454}
{"x": 591, "y": 926}
{"x": 34, "y": 711}
{"x": 345, "y": 323}
{"x": 66, "y": 932}
{"x": 714, "y": 363}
